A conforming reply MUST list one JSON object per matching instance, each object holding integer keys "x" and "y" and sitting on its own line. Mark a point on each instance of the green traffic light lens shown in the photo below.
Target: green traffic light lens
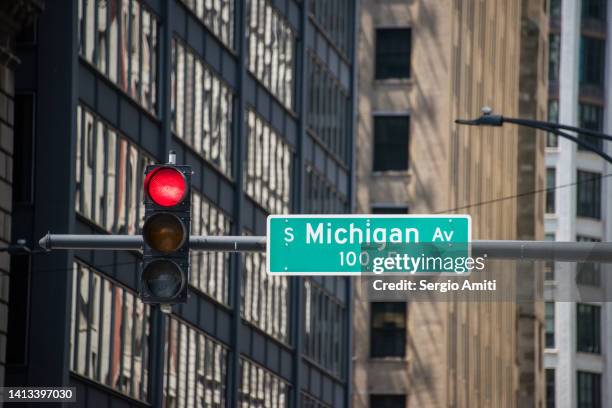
{"x": 163, "y": 279}
{"x": 164, "y": 232}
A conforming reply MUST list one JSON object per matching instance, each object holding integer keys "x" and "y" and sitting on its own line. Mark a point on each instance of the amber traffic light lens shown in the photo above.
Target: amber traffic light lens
{"x": 164, "y": 232}
{"x": 162, "y": 279}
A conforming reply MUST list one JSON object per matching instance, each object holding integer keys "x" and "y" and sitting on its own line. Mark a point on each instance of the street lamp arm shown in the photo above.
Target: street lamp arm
{"x": 574, "y": 139}
{"x": 484, "y": 120}
{"x": 488, "y": 119}
{"x": 552, "y": 125}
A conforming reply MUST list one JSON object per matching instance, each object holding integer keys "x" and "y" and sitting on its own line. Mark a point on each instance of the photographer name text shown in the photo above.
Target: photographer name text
{"x": 426, "y": 286}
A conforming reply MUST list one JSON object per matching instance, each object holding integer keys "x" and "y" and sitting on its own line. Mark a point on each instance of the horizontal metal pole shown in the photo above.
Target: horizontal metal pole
{"x": 527, "y": 250}
{"x": 98, "y": 241}
{"x": 228, "y": 243}
{"x": 545, "y": 250}
{"x": 134, "y": 242}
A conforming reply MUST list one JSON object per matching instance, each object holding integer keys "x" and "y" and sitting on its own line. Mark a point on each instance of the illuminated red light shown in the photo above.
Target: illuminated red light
{"x": 166, "y": 187}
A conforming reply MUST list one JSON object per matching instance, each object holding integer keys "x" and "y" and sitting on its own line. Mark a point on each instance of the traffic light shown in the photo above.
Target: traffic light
{"x": 165, "y": 232}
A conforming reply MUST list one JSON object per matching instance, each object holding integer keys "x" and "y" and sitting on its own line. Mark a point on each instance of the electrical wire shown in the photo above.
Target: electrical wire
{"x": 524, "y": 194}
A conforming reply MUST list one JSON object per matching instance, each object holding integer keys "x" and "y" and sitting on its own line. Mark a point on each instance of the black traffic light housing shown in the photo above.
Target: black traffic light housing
{"x": 164, "y": 275}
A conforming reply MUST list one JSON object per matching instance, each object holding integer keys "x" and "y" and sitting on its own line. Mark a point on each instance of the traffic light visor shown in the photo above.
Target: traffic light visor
{"x": 162, "y": 279}
{"x": 166, "y": 186}
{"x": 164, "y": 232}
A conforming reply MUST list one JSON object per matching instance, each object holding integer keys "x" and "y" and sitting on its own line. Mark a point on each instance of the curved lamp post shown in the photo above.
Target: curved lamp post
{"x": 489, "y": 119}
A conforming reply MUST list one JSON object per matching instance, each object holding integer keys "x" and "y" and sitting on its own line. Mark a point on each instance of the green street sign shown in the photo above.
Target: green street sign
{"x": 353, "y": 244}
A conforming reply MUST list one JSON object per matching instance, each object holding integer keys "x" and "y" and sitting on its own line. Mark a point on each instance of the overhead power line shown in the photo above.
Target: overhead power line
{"x": 524, "y": 194}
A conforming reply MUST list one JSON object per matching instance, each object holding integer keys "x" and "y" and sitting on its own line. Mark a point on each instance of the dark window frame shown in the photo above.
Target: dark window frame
{"x": 594, "y": 10}
{"x": 384, "y": 59}
{"x": 554, "y": 55}
{"x": 380, "y": 160}
{"x": 24, "y": 129}
{"x": 390, "y": 209}
{"x": 552, "y": 140}
{"x": 592, "y": 61}
{"x": 588, "y": 383}
{"x": 551, "y": 182}
{"x": 549, "y": 327}
{"x": 588, "y": 196}
{"x": 595, "y": 112}
{"x": 388, "y": 340}
{"x": 588, "y": 328}
{"x": 387, "y": 400}
{"x": 549, "y": 266}
{"x": 554, "y": 9}
{"x": 550, "y": 388}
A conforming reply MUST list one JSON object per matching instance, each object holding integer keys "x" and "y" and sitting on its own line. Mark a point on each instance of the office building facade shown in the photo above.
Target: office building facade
{"x": 258, "y": 97}
{"x": 423, "y": 65}
{"x": 531, "y": 181}
{"x": 578, "y": 206}
{"x": 14, "y": 16}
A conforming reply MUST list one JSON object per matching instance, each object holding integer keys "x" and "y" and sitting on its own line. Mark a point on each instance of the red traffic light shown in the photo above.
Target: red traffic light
{"x": 166, "y": 186}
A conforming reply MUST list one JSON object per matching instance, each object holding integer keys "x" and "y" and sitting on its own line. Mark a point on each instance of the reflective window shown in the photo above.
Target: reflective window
{"x": 109, "y": 333}
{"x": 388, "y": 329}
{"x": 120, "y": 38}
{"x": 217, "y": 15}
{"x": 594, "y": 10}
{"x": 589, "y": 194}
{"x": 550, "y": 324}
{"x": 589, "y": 390}
{"x": 551, "y": 182}
{"x": 321, "y": 196}
{"x": 265, "y": 298}
{"x": 592, "y": 61}
{"x": 554, "y": 56}
{"x": 109, "y": 176}
{"x": 329, "y": 110}
{"x": 550, "y": 388}
{"x": 271, "y": 50}
{"x": 195, "y": 370}
{"x": 259, "y": 388}
{"x": 393, "y": 53}
{"x": 588, "y": 324}
{"x": 553, "y": 116}
{"x": 335, "y": 19}
{"x": 588, "y": 273}
{"x": 209, "y": 270}
{"x": 391, "y": 134}
{"x": 268, "y": 168}
{"x": 555, "y": 8}
{"x": 549, "y": 266}
{"x": 202, "y": 108}
{"x": 590, "y": 117}
{"x": 324, "y": 322}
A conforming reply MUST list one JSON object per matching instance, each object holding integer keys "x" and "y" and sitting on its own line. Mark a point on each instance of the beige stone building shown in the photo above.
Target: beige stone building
{"x": 422, "y": 64}
{"x": 533, "y": 86}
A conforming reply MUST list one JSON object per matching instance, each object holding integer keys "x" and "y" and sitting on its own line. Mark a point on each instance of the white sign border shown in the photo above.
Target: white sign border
{"x": 271, "y": 216}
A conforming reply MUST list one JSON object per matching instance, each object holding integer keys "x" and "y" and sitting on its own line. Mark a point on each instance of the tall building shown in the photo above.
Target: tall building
{"x": 578, "y": 206}
{"x": 14, "y": 17}
{"x": 422, "y": 65}
{"x": 531, "y": 177}
{"x": 258, "y": 97}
